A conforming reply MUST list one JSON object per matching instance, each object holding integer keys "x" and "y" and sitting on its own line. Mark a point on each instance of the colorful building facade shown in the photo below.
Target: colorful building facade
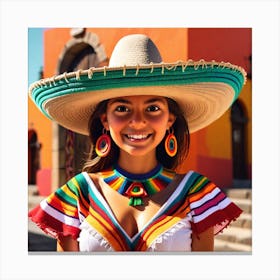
{"x": 222, "y": 151}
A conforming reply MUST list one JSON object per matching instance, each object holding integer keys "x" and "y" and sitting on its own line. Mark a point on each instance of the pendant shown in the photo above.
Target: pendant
{"x": 136, "y": 192}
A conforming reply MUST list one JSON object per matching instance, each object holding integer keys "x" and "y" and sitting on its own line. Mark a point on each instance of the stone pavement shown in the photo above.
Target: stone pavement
{"x": 238, "y": 236}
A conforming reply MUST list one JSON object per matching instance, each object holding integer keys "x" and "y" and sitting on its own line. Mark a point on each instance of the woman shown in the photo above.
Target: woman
{"x": 136, "y": 113}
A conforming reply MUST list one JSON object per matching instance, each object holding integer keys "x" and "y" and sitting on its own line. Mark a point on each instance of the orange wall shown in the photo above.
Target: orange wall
{"x": 222, "y": 44}
{"x": 164, "y": 38}
{"x": 54, "y": 42}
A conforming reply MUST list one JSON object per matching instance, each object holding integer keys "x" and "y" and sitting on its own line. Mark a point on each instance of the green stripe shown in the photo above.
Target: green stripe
{"x": 199, "y": 184}
{"x": 82, "y": 189}
{"x": 115, "y": 79}
{"x": 65, "y": 197}
{"x": 83, "y": 186}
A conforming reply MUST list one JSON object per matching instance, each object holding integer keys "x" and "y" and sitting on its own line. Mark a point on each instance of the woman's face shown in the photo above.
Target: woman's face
{"x": 137, "y": 124}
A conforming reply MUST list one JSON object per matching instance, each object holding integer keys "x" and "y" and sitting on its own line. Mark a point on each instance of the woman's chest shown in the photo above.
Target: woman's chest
{"x": 127, "y": 227}
{"x": 132, "y": 219}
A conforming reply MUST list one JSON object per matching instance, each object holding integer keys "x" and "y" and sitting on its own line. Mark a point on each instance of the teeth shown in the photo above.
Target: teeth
{"x": 137, "y": 136}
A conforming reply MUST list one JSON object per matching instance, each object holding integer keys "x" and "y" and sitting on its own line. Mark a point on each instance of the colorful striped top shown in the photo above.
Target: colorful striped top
{"x": 78, "y": 209}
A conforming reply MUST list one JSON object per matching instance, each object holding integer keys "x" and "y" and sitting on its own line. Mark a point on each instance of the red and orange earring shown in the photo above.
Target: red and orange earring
{"x": 103, "y": 144}
{"x": 171, "y": 143}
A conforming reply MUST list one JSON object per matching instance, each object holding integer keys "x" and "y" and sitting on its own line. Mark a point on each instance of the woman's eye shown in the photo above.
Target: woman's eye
{"x": 153, "y": 108}
{"x": 122, "y": 108}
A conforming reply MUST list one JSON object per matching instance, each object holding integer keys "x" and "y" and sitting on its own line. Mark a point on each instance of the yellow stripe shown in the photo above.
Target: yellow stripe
{"x": 62, "y": 206}
{"x": 108, "y": 173}
{"x": 117, "y": 184}
{"x": 99, "y": 217}
{"x": 157, "y": 230}
{"x": 103, "y": 231}
{"x": 81, "y": 198}
{"x": 69, "y": 193}
{"x": 165, "y": 224}
{"x": 207, "y": 189}
{"x": 107, "y": 225}
{"x": 199, "y": 184}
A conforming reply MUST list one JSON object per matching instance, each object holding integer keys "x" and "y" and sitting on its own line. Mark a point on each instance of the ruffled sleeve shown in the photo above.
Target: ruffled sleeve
{"x": 61, "y": 213}
{"x": 210, "y": 207}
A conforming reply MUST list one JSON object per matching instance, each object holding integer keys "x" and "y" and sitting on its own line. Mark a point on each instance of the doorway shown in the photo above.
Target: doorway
{"x": 239, "y": 150}
{"x": 73, "y": 148}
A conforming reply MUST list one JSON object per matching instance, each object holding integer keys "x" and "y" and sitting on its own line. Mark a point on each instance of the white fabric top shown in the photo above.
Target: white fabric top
{"x": 178, "y": 238}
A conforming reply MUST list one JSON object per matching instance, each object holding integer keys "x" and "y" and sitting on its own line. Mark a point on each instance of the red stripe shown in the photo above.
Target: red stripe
{"x": 52, "y": 226}
{"x": 97, "y": 209}
{"x": 159, "y": 183}
{"x": 84, "y": 205}
{"x": 122, "y": 245}
{"x": 208, "y": 204}
{"x": 174, "y": 211}
{"x": 58, "y": 204}
{"x": 141, "y": 245}
{"x": 219, "y": 219}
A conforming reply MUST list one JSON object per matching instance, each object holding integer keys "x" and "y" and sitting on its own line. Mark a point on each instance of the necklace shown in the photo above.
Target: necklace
{"x": 137, "y": 186}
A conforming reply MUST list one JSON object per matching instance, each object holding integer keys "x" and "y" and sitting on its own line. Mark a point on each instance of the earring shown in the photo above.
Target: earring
{"x": 171, "y": 143}
{"x": 103, "y": 144}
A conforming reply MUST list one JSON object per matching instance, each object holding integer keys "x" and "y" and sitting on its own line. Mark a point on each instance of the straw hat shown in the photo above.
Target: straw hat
{"x": 204, "y": 90}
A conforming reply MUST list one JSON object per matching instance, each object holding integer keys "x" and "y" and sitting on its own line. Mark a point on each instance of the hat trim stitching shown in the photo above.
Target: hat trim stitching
{"x": 167, "y": 66}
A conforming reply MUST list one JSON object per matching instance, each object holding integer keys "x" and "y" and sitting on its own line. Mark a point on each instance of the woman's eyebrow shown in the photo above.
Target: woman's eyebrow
{"x": 125, "y": 101}
{"x": 153, "y": 100}
{"x": 120, "y": 100}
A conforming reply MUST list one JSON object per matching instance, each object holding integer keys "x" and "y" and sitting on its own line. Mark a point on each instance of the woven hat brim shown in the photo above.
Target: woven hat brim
{"x": 204, "y": 91}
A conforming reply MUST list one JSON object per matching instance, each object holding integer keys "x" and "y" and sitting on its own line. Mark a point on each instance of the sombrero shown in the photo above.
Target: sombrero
{"x": 203, "y": 89}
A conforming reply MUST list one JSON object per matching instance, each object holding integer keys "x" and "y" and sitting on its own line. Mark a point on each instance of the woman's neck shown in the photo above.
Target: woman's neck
{"x": 137, "y": 164}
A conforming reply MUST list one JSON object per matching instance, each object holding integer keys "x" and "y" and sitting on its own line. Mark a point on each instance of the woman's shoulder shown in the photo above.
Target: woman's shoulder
{"x": 93, "y": 179}
{"x": 83, "y": 180}
{"x": 188, "y": 175}
{"x": 192, "y": 180}
{"x": 86, "y": 176}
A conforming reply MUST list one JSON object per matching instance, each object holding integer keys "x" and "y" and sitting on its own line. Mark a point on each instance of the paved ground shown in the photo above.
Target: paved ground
{"x": 40, "y": 243}
{"x": 37, "y": 240}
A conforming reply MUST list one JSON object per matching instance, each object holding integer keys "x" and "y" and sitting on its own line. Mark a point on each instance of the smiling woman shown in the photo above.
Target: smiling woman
{"x": 136, "y": 112}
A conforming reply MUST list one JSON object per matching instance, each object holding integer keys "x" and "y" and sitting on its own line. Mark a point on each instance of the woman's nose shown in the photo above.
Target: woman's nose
{"x": 138, "y": 118}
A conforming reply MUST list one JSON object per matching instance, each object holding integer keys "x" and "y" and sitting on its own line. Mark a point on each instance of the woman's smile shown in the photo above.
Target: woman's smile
{"x": 138, "y": 137}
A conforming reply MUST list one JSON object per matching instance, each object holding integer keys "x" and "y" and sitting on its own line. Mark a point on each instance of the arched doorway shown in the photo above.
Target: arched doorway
{"x": 239, "y": 153}
{"x": 82, "y": 52}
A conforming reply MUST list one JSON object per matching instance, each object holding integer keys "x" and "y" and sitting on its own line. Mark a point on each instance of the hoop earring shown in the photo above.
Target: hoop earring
{"x": 170, "y": 143}
{"x": 103, "y": 144}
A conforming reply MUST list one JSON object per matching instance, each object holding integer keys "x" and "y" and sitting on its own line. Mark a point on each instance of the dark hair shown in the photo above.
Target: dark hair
{"x": 181, "y": 132}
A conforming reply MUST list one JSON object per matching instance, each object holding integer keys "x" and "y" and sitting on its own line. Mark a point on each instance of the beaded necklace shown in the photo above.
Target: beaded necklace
{"x": 137, "y": 186}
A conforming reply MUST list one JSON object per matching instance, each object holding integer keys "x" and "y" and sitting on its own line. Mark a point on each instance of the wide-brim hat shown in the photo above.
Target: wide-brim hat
{"x": 203, "y": 89}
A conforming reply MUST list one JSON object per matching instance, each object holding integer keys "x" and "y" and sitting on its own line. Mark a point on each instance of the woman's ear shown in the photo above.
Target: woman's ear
{"x": 171, "y": 120}
{"x": 104, "y": 121}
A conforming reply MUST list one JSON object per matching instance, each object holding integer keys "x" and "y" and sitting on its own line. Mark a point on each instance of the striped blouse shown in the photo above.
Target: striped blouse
{"x": 79, "y": 210}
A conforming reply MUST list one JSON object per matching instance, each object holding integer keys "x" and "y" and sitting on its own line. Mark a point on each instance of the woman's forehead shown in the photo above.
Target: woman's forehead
{"x": 138, "y": 98}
